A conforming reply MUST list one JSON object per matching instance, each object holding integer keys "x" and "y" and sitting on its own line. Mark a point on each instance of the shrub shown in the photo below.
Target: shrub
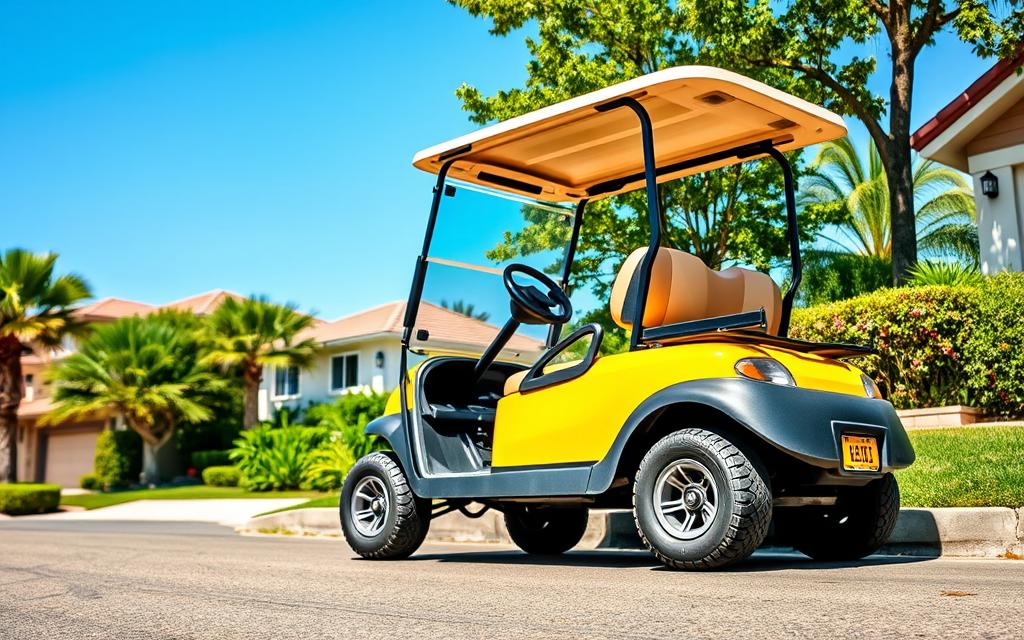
{"x": 203, "y": 459}
{"x": 919, "y": 333}
{"x": 952, "y": 274}
{"x": 993, "y": 357}
{"x": 330, "y": 464}
{"x": 276, "y": 458}
{"x": 90, "y": 481}
{"x": 938, "y": 345}
{"x": 118, "y": 460}
{"x": 222, "y": 476}
{"x": 349, "y": 415}
{"x": 23, "y": 499}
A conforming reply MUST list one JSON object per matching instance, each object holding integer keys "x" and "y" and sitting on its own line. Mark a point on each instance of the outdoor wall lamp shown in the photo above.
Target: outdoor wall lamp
{"x": 990, "y": 184}
{"x": 379, "y": 360}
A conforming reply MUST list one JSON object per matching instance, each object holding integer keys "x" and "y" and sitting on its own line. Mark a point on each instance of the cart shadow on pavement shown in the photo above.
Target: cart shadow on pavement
{"x": 761, "y": 561}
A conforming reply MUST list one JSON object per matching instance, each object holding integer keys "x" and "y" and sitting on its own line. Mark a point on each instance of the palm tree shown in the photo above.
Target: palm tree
{"x": 247, "y": 335}
{"x": 35, "y": 312}
{"x": 944, "y": 204}
{"x": 148, "y": 370}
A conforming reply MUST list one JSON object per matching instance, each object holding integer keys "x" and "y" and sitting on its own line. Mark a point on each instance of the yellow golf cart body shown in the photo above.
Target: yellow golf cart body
{"x": 711, "y": 382}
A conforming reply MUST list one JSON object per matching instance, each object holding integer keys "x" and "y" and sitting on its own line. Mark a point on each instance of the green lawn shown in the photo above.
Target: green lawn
{"x": 965, "y": 467}
{"x": 194, "y": 492}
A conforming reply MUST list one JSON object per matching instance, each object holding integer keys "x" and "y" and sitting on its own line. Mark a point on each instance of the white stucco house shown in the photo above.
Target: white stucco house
{"x": 360, "y": 353}
{"x": 981, "y": 132}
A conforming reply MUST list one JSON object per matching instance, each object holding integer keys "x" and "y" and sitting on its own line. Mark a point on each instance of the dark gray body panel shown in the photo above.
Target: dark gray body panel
{"x": 799, "y": 422}
{"x": 802, "y": 423}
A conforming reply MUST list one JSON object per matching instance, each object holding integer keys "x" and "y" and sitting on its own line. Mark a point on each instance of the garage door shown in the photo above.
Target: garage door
{"x": 69, "y": 455}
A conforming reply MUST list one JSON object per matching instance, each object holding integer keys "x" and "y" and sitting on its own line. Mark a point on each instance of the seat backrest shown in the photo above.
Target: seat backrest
{"x": 683, "y": 289}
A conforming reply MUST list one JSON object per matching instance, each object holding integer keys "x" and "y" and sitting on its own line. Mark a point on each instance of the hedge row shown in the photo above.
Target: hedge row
{"x": 23, "y": 499}
{"x": 937, "y": 345}
{"x": 222, "y": 476}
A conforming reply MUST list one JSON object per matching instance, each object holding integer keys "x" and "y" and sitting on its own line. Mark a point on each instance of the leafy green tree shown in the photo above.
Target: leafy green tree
{"x": 247, "y": 335}
{"x": 729, "y": 215}
{"x": 944, "y": 205}
{"x": 35, "y": 312}
{"x": 828, "y": 44}
{"x": 467, "y": 309}
{"x": 831, "y": 275}
{"x": 148, "y": 370}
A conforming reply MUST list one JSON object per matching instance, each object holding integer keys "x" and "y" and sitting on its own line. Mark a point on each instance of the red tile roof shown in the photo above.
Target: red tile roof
{"x": 444, "y": 326}
{"x": 112, "y": 308}
{"x": 203, "y": 303}
{"x": 963, "y": 102}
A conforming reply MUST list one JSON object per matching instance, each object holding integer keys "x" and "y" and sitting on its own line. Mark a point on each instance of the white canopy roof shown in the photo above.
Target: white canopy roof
{"x": 560, "y": 152}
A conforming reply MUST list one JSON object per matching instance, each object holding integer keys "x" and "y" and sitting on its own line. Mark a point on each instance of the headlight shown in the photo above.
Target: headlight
{"x": 871, "y": 389}
{"x": 765, "y": 370}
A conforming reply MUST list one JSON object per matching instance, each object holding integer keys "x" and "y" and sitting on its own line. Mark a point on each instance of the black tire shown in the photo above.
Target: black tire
{"x": 740, "y": 493}
{"x": 858, "y": 525}
{"x": 405, "y": 520}
{"x": 546, "y": 531}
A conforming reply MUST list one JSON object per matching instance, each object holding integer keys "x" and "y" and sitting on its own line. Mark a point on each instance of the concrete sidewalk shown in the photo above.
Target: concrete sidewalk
{"x": 231, "y": 513}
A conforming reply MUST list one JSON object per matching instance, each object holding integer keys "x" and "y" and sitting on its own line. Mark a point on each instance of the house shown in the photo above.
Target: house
{"x": 62, "y": 453}
{"x": 360, "y": 353}
{"x": 981, "y": 132}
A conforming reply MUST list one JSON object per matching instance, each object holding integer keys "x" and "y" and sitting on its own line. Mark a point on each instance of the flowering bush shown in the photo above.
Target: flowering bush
{"x": 994, "y": 353}
{"x": 919, "y": 333}
{"x": 937, "y": 345}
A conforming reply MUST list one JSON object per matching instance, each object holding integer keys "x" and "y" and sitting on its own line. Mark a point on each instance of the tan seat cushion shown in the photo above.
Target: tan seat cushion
{"x": 513, "y": 381}
{"x": 683, "y": 289}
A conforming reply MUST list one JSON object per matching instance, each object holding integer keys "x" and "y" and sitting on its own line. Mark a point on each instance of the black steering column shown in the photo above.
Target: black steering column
{"x": 529, "y": 305}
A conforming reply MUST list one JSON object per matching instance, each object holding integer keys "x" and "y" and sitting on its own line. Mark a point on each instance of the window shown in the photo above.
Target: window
{"x": 344, "y": 371}
{"x": 286, "y": 381}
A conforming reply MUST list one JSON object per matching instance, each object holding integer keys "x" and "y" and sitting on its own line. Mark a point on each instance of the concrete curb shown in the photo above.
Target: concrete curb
{"x": 963, "y": 532}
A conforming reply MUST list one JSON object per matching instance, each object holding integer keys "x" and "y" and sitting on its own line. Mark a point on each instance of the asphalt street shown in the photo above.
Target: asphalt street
{"x": 81, "y": 579}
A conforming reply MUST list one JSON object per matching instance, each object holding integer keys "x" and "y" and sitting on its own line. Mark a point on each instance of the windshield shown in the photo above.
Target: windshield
{"x": 478, "y": 233}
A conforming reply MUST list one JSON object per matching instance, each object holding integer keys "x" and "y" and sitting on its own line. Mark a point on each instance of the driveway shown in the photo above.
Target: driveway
{"x": 227, "y": 512}
{"x": 108, "y": 579}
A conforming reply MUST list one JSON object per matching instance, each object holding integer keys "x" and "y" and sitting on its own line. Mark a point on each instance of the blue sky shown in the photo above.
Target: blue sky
{"x": 166, "y": 149}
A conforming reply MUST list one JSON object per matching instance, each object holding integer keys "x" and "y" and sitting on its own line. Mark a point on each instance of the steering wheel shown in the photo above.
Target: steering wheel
{"x": 531, "y": 305}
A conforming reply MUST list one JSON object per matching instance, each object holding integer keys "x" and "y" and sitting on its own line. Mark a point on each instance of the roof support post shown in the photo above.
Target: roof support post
{"x": 420, "y": 273}
{"x": 653, "y": 213}
{"x": 570, "y": 255}
{"x": 793, "y": 235}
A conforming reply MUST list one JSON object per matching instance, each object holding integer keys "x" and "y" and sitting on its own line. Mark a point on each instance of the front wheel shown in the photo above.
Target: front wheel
{"x": 700, "y": 502}
{"x": 546, "y": 531}
{"x": 858, "y": 524}
{"x": 380, "y": 516}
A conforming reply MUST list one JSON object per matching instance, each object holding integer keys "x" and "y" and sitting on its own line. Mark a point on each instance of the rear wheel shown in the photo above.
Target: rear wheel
{"x": 700, "y": 502}
{"x": 380, "y": 516}
{"x": 546, "y": 531}
{"x": 858, "y": 524}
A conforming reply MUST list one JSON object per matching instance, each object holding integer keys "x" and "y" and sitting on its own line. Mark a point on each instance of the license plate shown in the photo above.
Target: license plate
{"x": 860, "y": 453}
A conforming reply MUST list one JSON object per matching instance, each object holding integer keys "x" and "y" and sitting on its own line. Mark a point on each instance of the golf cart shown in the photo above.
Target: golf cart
{"x": 712, "y": 426}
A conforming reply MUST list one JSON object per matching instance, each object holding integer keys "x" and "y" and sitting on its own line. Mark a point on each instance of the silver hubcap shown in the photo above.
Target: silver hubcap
{"x": 685, "y": 499}
{"x": 370, "y": 505}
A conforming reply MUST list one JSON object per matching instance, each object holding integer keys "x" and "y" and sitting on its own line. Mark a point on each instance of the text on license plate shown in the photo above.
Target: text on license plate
{"x": 860, "y": 453}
